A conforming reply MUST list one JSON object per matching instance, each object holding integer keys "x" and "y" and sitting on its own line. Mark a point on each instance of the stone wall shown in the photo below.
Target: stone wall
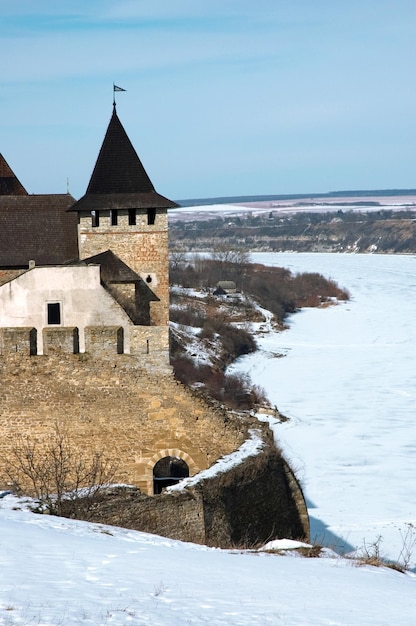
{"x": 119, "y": 404}
{"x": 129, "y": 407}
{"x": 142, "y": 247}
{"x": 246, "y": 506}
{"x": 148, "y": 344}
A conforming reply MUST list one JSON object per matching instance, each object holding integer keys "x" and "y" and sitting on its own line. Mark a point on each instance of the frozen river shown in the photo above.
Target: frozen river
{"x": 348, "y": 384}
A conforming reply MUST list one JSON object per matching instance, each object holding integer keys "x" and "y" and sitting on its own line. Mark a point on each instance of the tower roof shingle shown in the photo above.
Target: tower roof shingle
{"x": 119, "y": 180}
{"x": 9, "y": 183}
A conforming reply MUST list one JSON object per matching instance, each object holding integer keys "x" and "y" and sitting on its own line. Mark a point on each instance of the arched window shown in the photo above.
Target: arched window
{"x": 168, "y": 471}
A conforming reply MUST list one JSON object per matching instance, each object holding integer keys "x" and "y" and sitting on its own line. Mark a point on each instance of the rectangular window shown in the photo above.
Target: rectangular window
{"x": 151, "y": 216}
{"x": 114, "y": 217}
{"x": 132, "y": 217}
{"x": 95, "y": 215}
{"x": 54, "y": 313}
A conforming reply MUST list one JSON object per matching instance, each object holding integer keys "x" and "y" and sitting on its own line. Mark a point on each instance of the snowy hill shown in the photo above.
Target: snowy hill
{"x": 55, "y": 572}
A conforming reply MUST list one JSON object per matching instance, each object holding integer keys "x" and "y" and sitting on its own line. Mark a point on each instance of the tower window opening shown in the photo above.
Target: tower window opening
{"x": 54, "y": 313}
{"x": 95, "y": 218}
{"x": 151, "y": 216}
{"x": 114, "y": 217}
{"x": 132, "y": 217}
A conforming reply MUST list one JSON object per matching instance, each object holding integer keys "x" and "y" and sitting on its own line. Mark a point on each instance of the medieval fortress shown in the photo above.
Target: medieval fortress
{"x": 84, "y": 325}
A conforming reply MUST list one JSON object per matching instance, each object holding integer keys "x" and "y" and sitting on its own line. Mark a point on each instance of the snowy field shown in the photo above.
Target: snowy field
{"x": 57, "y": 572}
{"x": 348, "y": 383}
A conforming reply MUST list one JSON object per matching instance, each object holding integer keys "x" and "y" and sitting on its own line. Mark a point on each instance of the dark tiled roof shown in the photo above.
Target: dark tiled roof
{"x": 114, "y": 270}
{"x": 9, "y": 184}
{"x": 39, "y": 228}
{"x": 99, "y": 201}
{"x": 119, "y": 180}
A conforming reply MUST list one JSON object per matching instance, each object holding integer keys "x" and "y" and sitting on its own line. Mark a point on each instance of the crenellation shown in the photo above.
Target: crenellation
{"x": 19, "y": 341}
{"x": 60, "y": 340}
{"x": 101, "y": 341}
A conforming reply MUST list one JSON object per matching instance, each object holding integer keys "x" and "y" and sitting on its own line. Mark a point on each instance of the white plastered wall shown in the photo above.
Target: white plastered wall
{"x": 83, "y": 301}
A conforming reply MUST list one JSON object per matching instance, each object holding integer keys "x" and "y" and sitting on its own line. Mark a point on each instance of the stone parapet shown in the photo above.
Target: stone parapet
{"x": 149, "y": 345}
{"x": 21, "y": 341}
{"x": 104, "y": 340}
{"x": 64, "y": 340}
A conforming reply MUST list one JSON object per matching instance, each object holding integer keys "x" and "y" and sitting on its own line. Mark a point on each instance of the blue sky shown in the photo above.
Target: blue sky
{"x": 223, "y": 97}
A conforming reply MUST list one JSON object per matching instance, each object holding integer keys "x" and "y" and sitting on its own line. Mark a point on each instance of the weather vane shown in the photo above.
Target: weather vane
{"x": 116, "y": 88}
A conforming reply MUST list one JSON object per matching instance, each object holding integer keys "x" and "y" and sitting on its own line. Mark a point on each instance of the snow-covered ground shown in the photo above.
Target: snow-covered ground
{"x": 57, "y": 572}
{"x": 348, "y": 384}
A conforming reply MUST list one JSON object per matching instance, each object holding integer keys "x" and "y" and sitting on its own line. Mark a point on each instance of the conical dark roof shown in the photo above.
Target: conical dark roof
{"x": 9, "y": 183}
{"x": 119, "y": 180}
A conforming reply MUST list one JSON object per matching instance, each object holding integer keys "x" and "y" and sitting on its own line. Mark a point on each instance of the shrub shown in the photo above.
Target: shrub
{"x": 235, "y": 391}
{"x": 187, "y": 316}
{"x": 234, "y": 341}
{"x": 58, "y": 472}
{"x": 274, "y": 288}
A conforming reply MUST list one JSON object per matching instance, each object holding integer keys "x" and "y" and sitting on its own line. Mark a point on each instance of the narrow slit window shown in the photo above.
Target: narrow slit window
{"x": 114, "y": 217}
{"x": 95, "y": 216}
{"x": 151, "y": 216}
{"x": 132, "y": 217}
{"x": 54, "y": 313}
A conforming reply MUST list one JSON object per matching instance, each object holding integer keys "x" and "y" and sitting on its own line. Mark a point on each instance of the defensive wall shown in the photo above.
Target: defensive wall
{"x": 128, "y": 406}
{"x": 257, "y": 500}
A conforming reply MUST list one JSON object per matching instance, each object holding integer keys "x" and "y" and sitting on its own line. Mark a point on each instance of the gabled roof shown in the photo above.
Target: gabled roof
{"x": 38, "y": 228}
{"x": 119, "y": 180}
{"x": 114, "y": 271}
{"x": 9, "y": 183}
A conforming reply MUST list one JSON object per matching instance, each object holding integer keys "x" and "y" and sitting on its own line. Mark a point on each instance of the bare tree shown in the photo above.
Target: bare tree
{"x": 177, "y": 259}
{"x": 58, "y": 472}
{"x": 232, "y": 263}
{"x": 225, "y": 255}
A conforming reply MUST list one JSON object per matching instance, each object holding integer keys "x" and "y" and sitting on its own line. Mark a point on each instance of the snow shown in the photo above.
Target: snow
{"x": 251, "y": 447}
{"x": 55, "y": 571}
{"x": 348, "y": 384}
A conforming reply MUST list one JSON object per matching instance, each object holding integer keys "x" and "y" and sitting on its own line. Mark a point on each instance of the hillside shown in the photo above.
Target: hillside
{"x": 359, "y": 224}
{"x": 211, "y": 328}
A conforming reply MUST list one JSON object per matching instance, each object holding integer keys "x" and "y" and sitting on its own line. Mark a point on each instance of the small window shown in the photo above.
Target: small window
{"x": 132, "y": 217}
{"x": 54, "y": 313}
{"x": 95, "y": 216}
{"x": 151, "y": 216}
{"x": 114, "y": 217}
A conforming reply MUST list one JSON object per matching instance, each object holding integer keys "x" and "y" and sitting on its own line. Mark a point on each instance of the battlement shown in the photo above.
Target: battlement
{"x": 147, "y": 343}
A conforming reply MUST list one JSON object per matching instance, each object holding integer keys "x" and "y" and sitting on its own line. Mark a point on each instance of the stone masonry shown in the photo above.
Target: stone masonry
{"x": 119, "y": 404}
{"x": 142, "y": 247}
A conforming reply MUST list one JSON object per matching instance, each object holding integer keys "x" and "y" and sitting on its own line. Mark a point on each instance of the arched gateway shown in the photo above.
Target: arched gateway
{"x": 168, "y": 471}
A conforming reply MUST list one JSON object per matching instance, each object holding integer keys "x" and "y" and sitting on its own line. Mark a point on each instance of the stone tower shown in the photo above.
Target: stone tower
{"x": 122, "y": 212}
